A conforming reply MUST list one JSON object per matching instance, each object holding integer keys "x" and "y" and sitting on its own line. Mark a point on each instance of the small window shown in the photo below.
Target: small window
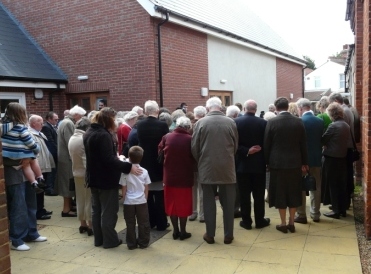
{"x": 317, "y": 81}
{"x": 342, "y": 80}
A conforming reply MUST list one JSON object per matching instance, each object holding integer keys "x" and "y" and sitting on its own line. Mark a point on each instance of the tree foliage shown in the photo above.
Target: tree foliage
{"x": 310, "y": 62}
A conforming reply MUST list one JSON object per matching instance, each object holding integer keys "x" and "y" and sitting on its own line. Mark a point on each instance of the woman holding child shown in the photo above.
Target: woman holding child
{"x": 179, "y": 166}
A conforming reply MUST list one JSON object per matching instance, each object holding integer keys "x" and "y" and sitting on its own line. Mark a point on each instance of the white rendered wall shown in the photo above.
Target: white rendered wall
{"x": 249, "y": 73}
{"x": 329, "y": 74}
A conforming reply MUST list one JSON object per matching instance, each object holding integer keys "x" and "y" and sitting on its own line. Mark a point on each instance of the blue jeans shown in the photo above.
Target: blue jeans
{"x": 21, "y": 202}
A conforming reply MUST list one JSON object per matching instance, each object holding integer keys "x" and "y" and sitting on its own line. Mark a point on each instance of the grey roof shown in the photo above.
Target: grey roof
{"x": 20, "y": 56}
{"x": 233, "y": 18}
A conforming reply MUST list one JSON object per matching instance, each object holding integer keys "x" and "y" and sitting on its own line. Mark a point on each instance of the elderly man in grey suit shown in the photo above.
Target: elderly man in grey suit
{"x": 214, "y": 145}
{"x": 285, "y": 151}
{"x": 314, "y": 127}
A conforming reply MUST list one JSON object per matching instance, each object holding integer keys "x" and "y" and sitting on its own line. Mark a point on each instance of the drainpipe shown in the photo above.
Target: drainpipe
{"x": 160, "y": 57}
{"x": 303, "y": 80}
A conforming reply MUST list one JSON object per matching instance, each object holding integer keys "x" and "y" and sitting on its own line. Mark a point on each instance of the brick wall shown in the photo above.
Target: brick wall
{"x": 4, "y": 233}
{"x": 358, "y": 98}
{"x": 366, "y": 112}
{"x": 185, "y": 66}
{"x": 40, "y": 106}
{"x": 289, "y": 79}
{"x": 111, "y": 41}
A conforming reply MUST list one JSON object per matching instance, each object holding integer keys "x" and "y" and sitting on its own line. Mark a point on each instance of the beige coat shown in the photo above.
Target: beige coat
{"x": 77, "y": 152}
{"x": 214, "y": 145}
{"x": 45, "y": 158}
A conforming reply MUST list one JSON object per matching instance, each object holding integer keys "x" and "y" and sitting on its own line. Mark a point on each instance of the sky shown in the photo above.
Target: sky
{"x": 315, "y": 28}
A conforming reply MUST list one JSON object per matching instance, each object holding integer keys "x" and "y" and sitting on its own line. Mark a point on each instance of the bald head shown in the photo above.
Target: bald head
{"x": 36, "y": 122}
{"x": 250, "y": 106}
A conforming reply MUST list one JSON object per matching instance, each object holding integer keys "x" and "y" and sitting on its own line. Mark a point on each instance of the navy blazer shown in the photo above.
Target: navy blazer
{"x": 52, "y": 143}
{"x": 285, "y": 145}
{"x": 150, "y": 132}
{"x": 314, "y": 127}
{"x": 250, "y": 133}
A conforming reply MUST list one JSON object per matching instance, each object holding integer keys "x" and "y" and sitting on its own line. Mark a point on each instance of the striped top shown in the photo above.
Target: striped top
{"x": 18, "y": 143}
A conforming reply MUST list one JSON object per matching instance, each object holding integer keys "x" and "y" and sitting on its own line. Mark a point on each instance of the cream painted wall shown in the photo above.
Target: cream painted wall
{"x": 329, "y": 75}
{"x": 249, "y": 73}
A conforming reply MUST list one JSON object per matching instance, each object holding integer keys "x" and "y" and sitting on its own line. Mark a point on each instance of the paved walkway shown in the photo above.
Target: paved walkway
{"x": 326, "y": 247}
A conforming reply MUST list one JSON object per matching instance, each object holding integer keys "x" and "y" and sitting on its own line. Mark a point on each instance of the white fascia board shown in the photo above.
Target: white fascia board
{"x": 24, "y": 84}
{"x": 149, "y": 7}
{"x": 221, "y": 36}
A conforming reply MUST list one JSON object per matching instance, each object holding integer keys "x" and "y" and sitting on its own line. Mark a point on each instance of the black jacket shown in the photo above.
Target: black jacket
{"x": 52, "y": 136}
{"x": 103, "y": 168}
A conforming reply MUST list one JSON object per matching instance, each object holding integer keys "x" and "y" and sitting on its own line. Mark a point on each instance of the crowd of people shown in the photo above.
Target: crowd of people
{"x": 177, "y": 164}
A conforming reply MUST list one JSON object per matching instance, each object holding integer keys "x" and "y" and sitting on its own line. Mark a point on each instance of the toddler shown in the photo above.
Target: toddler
{"x": 135, "y": 193}
{"x": 19, "y": 148}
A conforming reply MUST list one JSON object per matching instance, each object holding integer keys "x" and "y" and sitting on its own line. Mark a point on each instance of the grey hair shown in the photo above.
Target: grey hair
{"x": 200, "y": 111}
{"x": 130, "y": 115}
{"x": 165, "y": 117}
{"x": 336, "y": 97}
{"x": 335, "y": 111}
{"x": 250, "y": 106}
{"x": 121, "y": 114}
{"x": 77, "y": 110}
{"x": 214, "y": 102}
{"x": 176, "y": 114}
{"x": 322, "y": 103}
{"x": 232, "y": 111}
{"x": 151, "y": 107}
{"x": 92, "y": 113}
{"x": 183, "y": 122}
{"x": 119, "y": 121}
{"x": 136, "y": 108}
{"x": 303, "y": 103}
{"x": 83, "y": 123}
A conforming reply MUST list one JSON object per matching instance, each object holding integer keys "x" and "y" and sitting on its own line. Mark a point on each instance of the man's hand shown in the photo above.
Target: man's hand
{"x": 305, "y": 168}
{"x": 136, "y": 170}
{"x": 254, "y": 149}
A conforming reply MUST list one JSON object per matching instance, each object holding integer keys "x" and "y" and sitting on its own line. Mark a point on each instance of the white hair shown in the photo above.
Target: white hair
{"x": 269, "y": 115}
{"x": 214, "y": 102}
{"x": 183, "y": 122}
{"x": 77, "y": 110}
{"x": 199, "y": 111}
{"x": 119, "y": 121}
{"x": 176, "y": 114}
{"x": 92, "y": 113}
{"x": 151, "y": 107}
{"x": 130, "y": 115}
{"x": 136, "y": 108}
{"x": 232, "y": 111}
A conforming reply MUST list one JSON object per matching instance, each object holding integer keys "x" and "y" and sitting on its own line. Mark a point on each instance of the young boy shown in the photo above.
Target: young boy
{"x": 135, "y": 193}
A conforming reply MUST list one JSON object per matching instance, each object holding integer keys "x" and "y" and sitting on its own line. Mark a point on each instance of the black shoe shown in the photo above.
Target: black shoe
{"x": 83, "y": 229}
{"x": 332, "y": 214}
{"x": 301, "y": 220}
{"x": 68, "y": 214}
{"x": 245, "y": 226}
{"x": 184, "y": 236}
{"x": 36, "y": 188}
{"x": 176, "y": 235}
{"x": 41, "y": 183}
{"x": 291, "y": 228}
{"x": 266, "y": 222}
{"x": 90, "y": 232}
{"x": 48, "y": 212}
{"x": 43, "y": 217}
{"x": 343, "y": 214}
{"x": 282, "y": 228}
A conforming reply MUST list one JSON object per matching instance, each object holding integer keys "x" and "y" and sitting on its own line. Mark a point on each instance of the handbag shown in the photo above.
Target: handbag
{"x": 355, "y": 153}
{"x": 308, "y": 182}
{"x": 71, "y": 185}
{"x": 161, "y": 156}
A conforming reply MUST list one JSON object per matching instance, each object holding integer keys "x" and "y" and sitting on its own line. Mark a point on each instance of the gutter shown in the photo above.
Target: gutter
{"x": 229, "y": 34}
{"x": 160, "y": 57}
{"x": 42, "y": 80}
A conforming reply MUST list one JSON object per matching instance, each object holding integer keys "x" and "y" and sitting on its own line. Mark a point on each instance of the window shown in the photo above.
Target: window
{"x": 317, "y": 81}
{"x": 9, "y": 97}
{"x": 342, "y": 80}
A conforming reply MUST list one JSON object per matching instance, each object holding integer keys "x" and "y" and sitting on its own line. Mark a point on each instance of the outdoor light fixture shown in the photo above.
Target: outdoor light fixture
{"x": 38, "y": 93}
{"x": 82, "y": 77}
{"x": 223, "y": 81}
{"x": 204, "y": 92}
{"x": 291, "y": 96}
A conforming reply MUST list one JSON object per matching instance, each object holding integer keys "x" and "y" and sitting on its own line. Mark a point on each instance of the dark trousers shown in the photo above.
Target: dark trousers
{"x": 133, "y": 214}
{"x": 252, "y": 183}
{"x": 40, "y": 200}
{"x": 334, "y": 174}
{"x": 156, "y": 209}
{"x": 350, "y": 180}
{"x": 105, "y": 206}
{"x": 227, "y": 196}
